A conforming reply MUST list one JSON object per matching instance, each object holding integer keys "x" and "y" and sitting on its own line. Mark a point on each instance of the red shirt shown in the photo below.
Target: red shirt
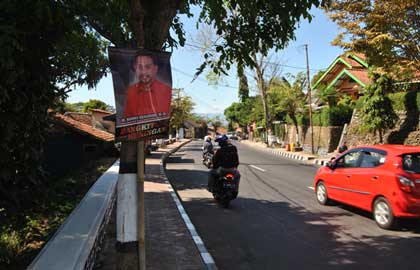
{"x": 154, "y": 102}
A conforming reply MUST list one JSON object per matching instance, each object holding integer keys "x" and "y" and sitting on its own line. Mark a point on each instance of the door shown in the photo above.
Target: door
{"x": 367, "y": 180}
{"x": 345, "y": 167}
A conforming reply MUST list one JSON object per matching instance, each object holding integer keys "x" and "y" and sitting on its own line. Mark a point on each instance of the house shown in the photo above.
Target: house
{"x": 95, "y": 118}
{"x": 348, "y": 74}
{"x": 194, "y": 130}
{"x": 72, "y": 143}
{"x": 99, "y": 117}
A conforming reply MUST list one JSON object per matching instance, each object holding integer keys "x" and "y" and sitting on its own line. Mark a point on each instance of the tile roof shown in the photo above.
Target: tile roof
{"x": 85, "y": 118}
{"x": 100, "y": 111}
{"x": 361, "y": 74}
{"x": 83, "y": 128}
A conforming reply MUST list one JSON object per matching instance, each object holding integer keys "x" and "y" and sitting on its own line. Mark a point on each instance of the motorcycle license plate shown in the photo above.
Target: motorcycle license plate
{"x": 229, "y": 185}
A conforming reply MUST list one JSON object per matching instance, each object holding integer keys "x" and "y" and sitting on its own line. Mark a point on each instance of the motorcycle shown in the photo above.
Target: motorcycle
{"x": 208, "y": 159}
{"x": 226, "y": 186}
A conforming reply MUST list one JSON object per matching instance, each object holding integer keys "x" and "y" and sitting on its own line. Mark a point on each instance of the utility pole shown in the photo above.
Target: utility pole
{"x": 310, "y": 100}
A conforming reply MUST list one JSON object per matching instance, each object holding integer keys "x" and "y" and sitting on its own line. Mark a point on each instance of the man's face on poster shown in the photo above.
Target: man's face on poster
{"x": 146, "y": 69}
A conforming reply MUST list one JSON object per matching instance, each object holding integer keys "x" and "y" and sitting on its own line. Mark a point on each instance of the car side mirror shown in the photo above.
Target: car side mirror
{"x": 331, "y": 164}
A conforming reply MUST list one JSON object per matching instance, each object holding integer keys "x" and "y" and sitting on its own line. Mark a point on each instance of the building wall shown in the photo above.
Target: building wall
{"x": 109, "y": 125}
{"x": 66, "y": 150}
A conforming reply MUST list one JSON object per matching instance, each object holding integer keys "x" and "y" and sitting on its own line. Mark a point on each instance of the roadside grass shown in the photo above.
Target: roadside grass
{"x": 23, "y": 234}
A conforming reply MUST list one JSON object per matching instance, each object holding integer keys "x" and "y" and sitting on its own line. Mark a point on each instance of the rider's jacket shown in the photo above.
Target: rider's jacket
{"x": 207, "y": 147}
{"x": 226, "y": 157}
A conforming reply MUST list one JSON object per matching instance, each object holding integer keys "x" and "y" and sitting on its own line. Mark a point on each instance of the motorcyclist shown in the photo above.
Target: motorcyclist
{"x": 207, "y": 146}
{"x": 225, "y": 157}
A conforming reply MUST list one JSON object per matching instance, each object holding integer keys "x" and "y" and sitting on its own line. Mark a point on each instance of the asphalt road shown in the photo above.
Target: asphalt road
{"x": 276, "y": 222}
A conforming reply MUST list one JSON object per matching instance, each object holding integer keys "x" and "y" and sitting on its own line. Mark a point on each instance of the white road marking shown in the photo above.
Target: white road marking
{"x": 311, "y": 188}
{"x": 258, "y": 168}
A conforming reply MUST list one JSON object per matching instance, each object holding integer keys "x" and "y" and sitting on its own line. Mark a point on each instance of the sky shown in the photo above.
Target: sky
{"x": 214, "y": 99}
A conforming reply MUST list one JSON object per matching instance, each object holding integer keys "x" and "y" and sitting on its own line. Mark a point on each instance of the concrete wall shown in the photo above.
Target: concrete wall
{"x": 326, "y": 139}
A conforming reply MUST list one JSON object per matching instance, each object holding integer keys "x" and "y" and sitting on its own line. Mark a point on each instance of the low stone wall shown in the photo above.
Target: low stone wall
{"x": 407, "y": 131}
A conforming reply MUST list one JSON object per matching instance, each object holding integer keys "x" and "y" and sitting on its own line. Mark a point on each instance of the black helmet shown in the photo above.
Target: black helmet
{"x": 221, "y": 139}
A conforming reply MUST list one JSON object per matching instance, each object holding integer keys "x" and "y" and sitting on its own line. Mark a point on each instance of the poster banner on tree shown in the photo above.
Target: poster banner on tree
{"x": 143, "y": 90}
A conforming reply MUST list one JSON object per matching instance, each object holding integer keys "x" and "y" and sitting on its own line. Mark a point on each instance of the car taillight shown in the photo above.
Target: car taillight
{"x": 406, "y": 184}
{"x": 229, "y": 177}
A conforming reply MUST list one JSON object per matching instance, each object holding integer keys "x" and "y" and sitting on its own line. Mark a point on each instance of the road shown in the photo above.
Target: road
{"x": 276, "y": 223}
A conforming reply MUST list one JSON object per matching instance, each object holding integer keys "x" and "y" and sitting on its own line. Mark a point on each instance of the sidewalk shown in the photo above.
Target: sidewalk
{"x": 312, "y": 159}
{"x": 169, "y": 244}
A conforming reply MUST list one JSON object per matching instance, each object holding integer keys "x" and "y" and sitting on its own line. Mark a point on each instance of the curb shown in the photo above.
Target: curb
{"x": 205, "y": 255}
{"x": 291, "y": 155}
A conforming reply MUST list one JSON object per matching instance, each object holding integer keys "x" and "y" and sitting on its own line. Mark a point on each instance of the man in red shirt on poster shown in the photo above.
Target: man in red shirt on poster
{"x": 148, "y": 99}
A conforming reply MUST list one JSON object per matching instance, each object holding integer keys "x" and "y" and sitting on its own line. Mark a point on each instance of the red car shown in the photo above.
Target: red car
{"x": 382, "y": 179}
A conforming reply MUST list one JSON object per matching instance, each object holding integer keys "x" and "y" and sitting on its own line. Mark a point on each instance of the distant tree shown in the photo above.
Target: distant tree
{"x": 243, "y": 91}
{"x": 377, "y": 112}
{"x": 181, "y": 109}
{"x": 241, "y": 113}
{"x": 216, "y": 122}
{"x": 289, "y": 96}
{"x": 317, "y": 76}
{"x": 96, "y": 104}
{"x": 387, "y": 31}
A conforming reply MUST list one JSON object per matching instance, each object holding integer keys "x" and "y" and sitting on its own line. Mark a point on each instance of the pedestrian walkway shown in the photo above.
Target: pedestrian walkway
{"x": 169, "y": 243}
{"x": 313, "y": 159}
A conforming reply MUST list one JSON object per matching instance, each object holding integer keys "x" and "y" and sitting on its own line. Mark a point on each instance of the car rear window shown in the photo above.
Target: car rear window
{"x": 411, "y": 162}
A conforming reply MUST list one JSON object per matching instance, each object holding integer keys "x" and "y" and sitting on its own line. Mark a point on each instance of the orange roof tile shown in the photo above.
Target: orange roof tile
{"x": 81, "y": 117}
{"x": 361, "y": 74}
{"x": 100, "y": 111}
{"x": 83, "y": 128}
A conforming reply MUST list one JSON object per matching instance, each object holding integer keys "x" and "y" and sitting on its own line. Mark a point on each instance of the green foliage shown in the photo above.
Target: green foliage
{"x": 327, "y": 95}
{"x": 332, "y": 116}
{"x": 398, "y": 101}
{"x": 244, "y": 113}
{"x": 386, "y": 31}
{"x": 49, "y": 47}
{"x": 96, "y": 104}
{"x": 45, "y": 50}
{"x": 181, "y": 109}
{"x": 287, "y": 98}
{"x": 22, "y": 234}
{"x": 347, "y": 100}
{"x": 317, "y": 76}
{"x": 250, "y": 27}
{"x": 377, "y": 112}
{"x": 243, "y": 91}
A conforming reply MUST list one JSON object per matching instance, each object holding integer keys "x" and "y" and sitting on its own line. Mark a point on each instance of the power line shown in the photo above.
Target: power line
{"x": 200, "y": 79}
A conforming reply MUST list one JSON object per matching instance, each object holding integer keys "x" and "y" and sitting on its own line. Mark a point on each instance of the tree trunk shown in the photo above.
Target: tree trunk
{"x": 151, "y": 20}
{"x": 380, "y": 136}
{"x": 262, "y": 87}
{"x": 293, "y": 117}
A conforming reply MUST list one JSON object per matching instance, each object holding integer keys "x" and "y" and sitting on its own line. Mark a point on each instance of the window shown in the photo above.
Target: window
{"x": 372, "y": 159}
{"x": 411, "y": 162}
{"x": 350, "y": 160}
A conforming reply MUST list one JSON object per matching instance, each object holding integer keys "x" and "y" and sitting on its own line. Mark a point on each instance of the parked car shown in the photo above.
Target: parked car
{"x": 232, "y": 136}
{"x": 381, "y": 179}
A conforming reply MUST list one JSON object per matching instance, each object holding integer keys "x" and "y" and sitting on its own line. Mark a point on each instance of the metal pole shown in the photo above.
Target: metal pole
{"x": 310, "y": 100}
{"x": 141, "y": 222}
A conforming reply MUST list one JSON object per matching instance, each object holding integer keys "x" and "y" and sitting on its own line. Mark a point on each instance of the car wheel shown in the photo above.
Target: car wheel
{"x": 382, "y": 213}
{"x": 321, "y": 193}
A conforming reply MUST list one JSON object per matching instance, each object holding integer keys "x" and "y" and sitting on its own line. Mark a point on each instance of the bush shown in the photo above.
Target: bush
{"x": 398, "y": 101}
{"x": 332, "y": 116}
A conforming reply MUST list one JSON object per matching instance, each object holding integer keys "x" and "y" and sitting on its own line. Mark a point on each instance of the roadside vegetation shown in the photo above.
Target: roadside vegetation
{"x": 24, "y": 233}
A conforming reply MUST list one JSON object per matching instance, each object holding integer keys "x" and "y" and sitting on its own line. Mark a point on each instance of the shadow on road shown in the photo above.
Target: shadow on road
{"x": 260, "y": 234}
